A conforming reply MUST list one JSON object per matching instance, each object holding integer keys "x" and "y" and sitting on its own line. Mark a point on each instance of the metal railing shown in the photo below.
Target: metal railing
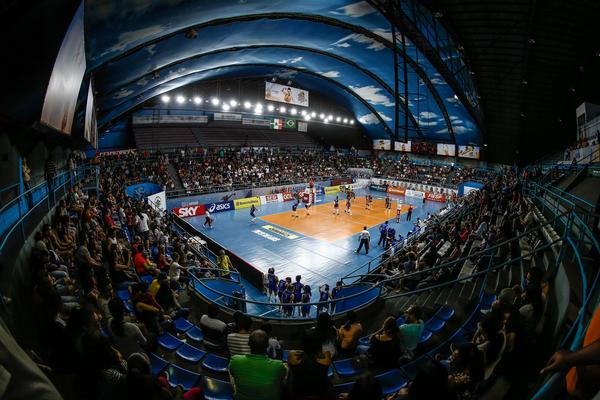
{"x": 15, "y": 214}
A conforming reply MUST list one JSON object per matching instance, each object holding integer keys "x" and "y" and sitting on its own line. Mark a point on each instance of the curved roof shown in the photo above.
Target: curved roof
{"x": 138, "y": 49}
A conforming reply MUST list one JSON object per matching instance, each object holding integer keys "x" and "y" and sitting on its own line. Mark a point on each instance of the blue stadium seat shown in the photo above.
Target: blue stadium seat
{"x": 190, "y": 353}
{"x": 195, "y": 333}
{"x": 486, "y": 301}
{"x": 425, "y": 336}
{"x": 401, "y": 320}
{"x": 343, "y": 387}
{"x": 345, "y": 368}
{"x": 147, "y": 278}
{"x": 169, "y": 342}
{"x": 391, "y": 381}
{"x": 365, "y": 340}
{"x": 158, "y": 364}
{"x": 330, "y": 372}
{"x": 445, "y": 313}
{"x": 411, "y": 369}
{"x": 285, "y": 355}
{"x": 181, "y": 376}
{"x": 182, "y": 325}
{"x": 215, "y": 389}
{"x": 434, "y": 324}
{"x": 123, "y": 294}
{"x": 216, "y": 364}
{"x": 128, "y": 307}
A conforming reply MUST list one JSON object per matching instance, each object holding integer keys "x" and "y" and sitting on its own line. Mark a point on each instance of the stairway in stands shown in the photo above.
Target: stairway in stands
{"x": 174, "y": 176}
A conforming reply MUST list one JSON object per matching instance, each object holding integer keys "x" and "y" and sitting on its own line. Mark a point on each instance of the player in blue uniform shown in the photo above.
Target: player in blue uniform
{"x": 336, "y": 206}
{"x": 323, "y": 299}
{"x": 287, "y": 298}
{"x": 253, "y": 212}
{"x": 305, "y": 309}
{"x": 295, "y": 209}
{"x": 334, "y": 294}
{"x": 272, "y": 283}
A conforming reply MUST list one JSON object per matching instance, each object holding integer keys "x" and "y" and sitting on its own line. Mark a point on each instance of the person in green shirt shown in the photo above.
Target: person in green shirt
{"x": 256, "y": 376}
{"x": 411, "y": 331}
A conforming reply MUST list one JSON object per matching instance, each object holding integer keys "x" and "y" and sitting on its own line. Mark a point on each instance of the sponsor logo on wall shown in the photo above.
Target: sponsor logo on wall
{"x": 396, "y": 190}
{"x": 378, "y": 188}
{"x": 219, "y": 207}
{"x": 189, "y": 211}
{"x": 435, "y": 197}
{"x": 246, "y": 203}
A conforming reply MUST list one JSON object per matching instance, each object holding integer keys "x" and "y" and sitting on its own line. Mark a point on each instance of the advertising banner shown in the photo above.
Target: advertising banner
{"x": 189, "y": 211}
{"x": 256, "y": 121}
{"x": 219, "y": 207}
{"x": 415, "y": 193}
{"x": 396, "y": 190}
{"x": 286, "y": 94}
{"x": 227, "y": 117}
{"x": 331, "y": 189}
{"x": 271, "y": 198}
{"x": 468, "y": 152}
{"x": 444, "y": 149}
{"x": 90, "y": 128}
{"x": 435, "y": 197}
{"x": 378, "y": 188}
{"x": 382, "y": 144}
{"x": 302, "y": 126}
{"x": 401, "y": 146}
{"x": 246, "y": 203}
{"x": 287, "y": 196}
{"x": 337, "y": 182}
{"x": 60, "y": 101}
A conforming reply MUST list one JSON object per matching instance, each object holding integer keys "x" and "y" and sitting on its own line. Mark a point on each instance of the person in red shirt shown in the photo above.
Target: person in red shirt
{"x": 142, "y": 265}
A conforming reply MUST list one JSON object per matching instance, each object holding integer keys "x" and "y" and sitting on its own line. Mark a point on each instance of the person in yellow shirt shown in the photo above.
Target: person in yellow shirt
{"x": 155, "y": 285}
{"x": 225, "y": 265}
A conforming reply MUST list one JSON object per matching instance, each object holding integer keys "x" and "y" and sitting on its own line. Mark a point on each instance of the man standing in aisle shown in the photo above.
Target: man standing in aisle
{"x": 409, "y": 213}
{"x": 364, "y": 239}
{"x": 383, "y": 231}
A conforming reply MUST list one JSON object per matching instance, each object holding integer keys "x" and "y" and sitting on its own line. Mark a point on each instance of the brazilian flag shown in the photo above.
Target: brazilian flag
{"x": 290, "y": 124}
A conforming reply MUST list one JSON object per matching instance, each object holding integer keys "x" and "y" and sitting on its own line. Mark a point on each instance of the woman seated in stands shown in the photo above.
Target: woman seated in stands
{"x": 119, "y": 267}
{"x": 143, "y": 266}
{"x": 348, "y": 335}
{"x": 465, "y": 370}
{"x": 490, "y": 339}
{"x": 326, "y": 333}
{"x": 384, "y": 351}
{"x": 126, "y": 336}
{"x": 147, "y": 309}
{"x": 308, "y": 370}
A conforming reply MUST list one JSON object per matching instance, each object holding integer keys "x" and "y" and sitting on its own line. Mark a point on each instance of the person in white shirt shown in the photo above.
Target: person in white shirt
{"x": 364, "y": 239}
{"x": 141, "y": 223}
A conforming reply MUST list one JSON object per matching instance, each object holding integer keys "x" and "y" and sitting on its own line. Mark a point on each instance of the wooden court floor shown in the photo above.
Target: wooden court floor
{"x": 322, "y": 224}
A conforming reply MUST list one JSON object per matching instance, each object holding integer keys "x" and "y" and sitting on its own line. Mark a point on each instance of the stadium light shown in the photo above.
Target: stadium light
{"x": 165, "y": 99}
{"x": 307, "y": 117}
{"x": 313, "y": 114}
{"x": 351, "y": 122}
{"x": 329, "y": 117}
{"x": 303, "y": 113}
{"x": 270, "y": 107}
{"x": 322, "y": 116}
{"x": 345, "y": 120}
{"x": 259, "y": 106}
{"x": 338, "y": 119}
{"x": 282, "y": 110}
{"x": 198, "y": 100}
{"x": 293, "y": 111}
{"x": 232, "y": 103}
{"x": 247, "y": 105}
{"x": 215, "y": 101}
{"x": 226, "y": 107}
{"x": 180, "y": 99}
{"x": 258, "y": 111}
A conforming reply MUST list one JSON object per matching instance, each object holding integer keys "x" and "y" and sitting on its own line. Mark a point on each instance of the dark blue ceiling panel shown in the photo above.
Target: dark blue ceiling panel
{"x": 311, "y": 82}
{"x": 358, "y": 82}
{"x": 138, "y": 48}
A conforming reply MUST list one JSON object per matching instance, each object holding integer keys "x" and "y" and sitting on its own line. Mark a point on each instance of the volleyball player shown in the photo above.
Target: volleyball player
{"x": 307, "y": 208}
{"x": 253, "y": 213}
{"x": 336, "y": 206}
{"x": 348, "y": 207}
{"x": 388, "y": 203}
{"x": 272, "y": 283}
{"x": 208, "y": 220}
{"x": 398, "y": 211}
{"x": 295, "y": 209}
{"x": 370, "y": 202}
